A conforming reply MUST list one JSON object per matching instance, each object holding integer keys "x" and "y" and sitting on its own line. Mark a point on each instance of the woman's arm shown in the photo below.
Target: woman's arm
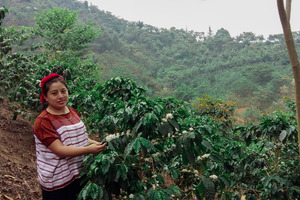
{"x": 69, "y": 151}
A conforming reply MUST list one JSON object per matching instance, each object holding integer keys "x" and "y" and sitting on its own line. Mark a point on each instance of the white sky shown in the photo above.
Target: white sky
{"x": 237, "y": 16}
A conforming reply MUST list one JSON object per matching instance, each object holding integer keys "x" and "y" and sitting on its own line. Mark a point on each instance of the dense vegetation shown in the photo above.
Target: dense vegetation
{"x": 249, "y": 69}
{"x": 159, "y": 147}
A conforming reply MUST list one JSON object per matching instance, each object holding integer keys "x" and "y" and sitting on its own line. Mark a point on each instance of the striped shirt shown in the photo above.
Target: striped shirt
{"x": 56, "y": 172}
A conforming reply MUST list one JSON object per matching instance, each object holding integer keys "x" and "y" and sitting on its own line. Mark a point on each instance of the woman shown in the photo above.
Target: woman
{"x": 61, "y": 142}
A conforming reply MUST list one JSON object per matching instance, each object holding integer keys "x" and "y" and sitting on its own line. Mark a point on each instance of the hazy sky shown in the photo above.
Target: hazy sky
{"x": 237, "y": 16}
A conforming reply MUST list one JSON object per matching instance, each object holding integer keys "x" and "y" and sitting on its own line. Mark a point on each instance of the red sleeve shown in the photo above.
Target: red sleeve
{"x": 44, "y": 131}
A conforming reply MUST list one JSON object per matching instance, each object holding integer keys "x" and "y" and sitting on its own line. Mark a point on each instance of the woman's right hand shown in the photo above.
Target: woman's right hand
{"x": 96, "y": 148}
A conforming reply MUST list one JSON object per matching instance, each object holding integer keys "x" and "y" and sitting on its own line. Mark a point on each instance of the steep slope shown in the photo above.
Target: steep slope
{"x": 18, "y": 177}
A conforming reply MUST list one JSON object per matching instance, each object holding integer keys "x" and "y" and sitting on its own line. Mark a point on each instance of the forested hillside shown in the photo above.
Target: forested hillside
{"x": 161, "y": 100}
{"x": 249, "y": 69}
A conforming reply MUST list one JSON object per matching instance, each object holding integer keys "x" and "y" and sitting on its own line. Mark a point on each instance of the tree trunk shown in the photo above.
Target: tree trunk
{"x": 293, "y": 57}
{"x": 288, "y": 9}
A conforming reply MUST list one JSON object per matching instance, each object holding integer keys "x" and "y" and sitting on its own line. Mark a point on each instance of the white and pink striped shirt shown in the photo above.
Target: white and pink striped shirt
{"x": 56, "y": 172}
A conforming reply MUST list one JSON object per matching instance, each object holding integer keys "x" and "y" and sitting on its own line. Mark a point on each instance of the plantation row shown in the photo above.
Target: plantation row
{"x": 158, "y": 148}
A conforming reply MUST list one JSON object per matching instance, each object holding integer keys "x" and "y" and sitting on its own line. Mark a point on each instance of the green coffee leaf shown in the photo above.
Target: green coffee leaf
{"x": 209, "y": 188}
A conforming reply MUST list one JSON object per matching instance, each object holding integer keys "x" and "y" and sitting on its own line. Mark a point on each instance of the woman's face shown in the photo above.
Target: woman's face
{"x": 57, "y": 96}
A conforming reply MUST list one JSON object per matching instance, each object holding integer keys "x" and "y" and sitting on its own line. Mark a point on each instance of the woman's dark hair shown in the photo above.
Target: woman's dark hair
{"x": 46, "y": 87}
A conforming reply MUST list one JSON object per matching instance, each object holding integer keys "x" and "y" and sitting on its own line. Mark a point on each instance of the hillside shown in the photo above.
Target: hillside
{"x": 249, "y": 69}
{"x": 196, "y": 142}
{"x": 18, "y": 177}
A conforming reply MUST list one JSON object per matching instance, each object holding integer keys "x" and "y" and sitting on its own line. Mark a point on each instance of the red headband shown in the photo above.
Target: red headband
{"x": 45, "y": 80}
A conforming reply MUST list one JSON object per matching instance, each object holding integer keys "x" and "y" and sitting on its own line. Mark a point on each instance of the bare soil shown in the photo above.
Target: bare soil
{"x": 18, "y": 176}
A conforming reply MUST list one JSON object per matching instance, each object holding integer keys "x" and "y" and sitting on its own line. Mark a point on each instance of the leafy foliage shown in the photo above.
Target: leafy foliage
{"x": 21, "y": 72}
{"x": 217, "y": 109}
{"x": 60, "y": 33}
{"x": 161, "y": 148}
{"x": 272, "y": 159}
{"x": 148, "y": 144}
{"x": 168, "y": 62}
{"x": 4, "y": 43}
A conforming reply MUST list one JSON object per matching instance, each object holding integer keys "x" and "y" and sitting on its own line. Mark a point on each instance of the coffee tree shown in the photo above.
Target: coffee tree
{"x": 157, "y": 149}
{"x": 270, "y": 164}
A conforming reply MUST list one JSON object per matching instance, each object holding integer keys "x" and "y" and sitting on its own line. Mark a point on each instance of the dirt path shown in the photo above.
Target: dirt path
{"x": 18, "y": 177}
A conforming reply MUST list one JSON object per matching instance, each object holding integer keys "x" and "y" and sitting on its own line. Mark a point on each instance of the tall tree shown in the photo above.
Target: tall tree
{"x": 285, "y": 21}
{"x": 60, "y": 32}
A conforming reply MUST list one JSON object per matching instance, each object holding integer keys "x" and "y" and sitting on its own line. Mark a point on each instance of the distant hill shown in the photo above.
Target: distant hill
{"x": 249, "y": 69}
